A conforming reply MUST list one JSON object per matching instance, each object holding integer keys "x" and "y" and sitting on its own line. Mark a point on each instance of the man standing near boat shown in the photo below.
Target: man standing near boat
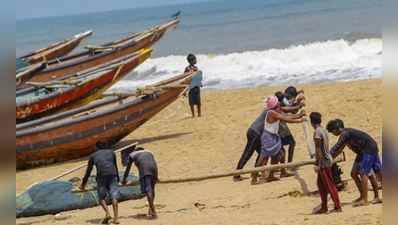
{"x": 104, "y": 160}
{"x": 194, "y": 87}
{"x": 148, "y": 175}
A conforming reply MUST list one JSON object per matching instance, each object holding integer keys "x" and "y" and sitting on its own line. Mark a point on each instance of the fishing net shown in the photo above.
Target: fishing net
{"x": 51, "y": 197}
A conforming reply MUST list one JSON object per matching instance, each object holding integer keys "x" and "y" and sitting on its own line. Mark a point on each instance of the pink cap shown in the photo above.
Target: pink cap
{"x": 271, "y": 102}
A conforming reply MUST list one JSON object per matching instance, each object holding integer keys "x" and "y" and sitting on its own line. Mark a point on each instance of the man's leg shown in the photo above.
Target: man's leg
{"x": 107, "y": 214}
{"x": 114, "y": 193}
{"x": 247, "y": 152}
{"x": 150, "y": 194}
{"x": 192, "y": 110}
{"x": 375, "y": 187}
{"x": 377, "y": 167}
{"x": 284, "y": 171}
{"x": 327, "y": 180}
{"x": 102, "y": 192}
{"x": 115, "y": 211}
{"x": 357, "y": 180}
{"x": 364, "y": 188}
{"x": 274, "y": 160}
{"x": 292, "y": 146}
{"x": 323, "y": 194}
{"x": 259, "y": 162}
{"x": 199, "y": 110}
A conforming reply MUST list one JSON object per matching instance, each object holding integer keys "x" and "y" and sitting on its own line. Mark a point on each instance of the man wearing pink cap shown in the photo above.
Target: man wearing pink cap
{"x": 270, "y": 140}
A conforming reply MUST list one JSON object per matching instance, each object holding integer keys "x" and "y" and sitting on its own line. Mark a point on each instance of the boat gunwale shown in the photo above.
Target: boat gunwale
{"x": 75, "y": 38}
{"x": 85, "y": 56}
{"x": 120, "y": 107}
{"x": 101, "y": 66}
{"x": 103, "y": 70}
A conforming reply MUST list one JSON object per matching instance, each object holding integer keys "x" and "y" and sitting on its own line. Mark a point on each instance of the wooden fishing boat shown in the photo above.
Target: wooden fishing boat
{"x": 73, "y": 134}
{"x": 75, "y": 89}
{"x": 98, "y": 55}
{"x": 55, "y": 50}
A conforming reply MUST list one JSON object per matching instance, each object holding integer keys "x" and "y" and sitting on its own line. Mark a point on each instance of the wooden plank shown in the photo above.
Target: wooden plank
{"x": 226, "y": 174}
{"x": 243, "y": 171}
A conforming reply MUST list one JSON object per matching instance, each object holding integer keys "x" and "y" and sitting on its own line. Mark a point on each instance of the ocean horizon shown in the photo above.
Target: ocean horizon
{"x": 238, "y": 43}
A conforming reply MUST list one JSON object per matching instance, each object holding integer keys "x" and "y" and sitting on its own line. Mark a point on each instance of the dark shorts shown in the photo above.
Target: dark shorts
{"x": 369, "y": 163}
{"x": 147, "y": 184}
{"x": 194, "y": 96}
{"x": 288, "y": 140}
{"x": 107, "y": 186}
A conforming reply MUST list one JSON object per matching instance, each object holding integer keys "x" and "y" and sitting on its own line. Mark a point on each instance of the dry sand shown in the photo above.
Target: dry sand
{"x": 213, "y": 143}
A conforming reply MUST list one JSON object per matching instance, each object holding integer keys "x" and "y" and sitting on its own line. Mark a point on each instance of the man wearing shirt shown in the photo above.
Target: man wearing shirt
{"x": 324, "y": 162}
{"x": 104, "y": 160}
{"x": 366, "y": 162}
{"x": 194, "y": 87}
{"x": 148, "y": 175}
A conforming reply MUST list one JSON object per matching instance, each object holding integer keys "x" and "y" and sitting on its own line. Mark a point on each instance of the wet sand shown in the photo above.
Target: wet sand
{"x": 186, "y": 147}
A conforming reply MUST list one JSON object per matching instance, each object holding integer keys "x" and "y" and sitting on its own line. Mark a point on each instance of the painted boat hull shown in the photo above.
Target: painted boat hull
{"x": 68, "y": 98}
{"x": 56, "y": 50}
{"x": 86, "y": 60}
{"x": 76, "y": 135}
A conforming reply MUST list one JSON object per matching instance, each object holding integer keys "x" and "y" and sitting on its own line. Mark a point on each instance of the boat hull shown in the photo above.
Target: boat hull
{"x": 79, "y": 95}
{"x": 78, "y": 139}
{"x": 86, "y": 60}
{"x": 57, "y": 50}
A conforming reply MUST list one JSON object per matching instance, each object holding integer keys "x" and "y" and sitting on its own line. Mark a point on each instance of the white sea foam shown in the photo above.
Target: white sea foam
{"x": 337, "y": 60}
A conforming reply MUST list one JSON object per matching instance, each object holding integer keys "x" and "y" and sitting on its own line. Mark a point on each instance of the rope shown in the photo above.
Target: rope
{"x": 118, "y": 72}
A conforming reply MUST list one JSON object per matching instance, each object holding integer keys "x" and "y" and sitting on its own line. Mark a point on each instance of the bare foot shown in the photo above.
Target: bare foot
{"x": 377, "y": 201}
{"x": 360, "y": 203}
{"x": 115, "y": 221}
{"x": 320, "y": 211}
{"x": 254, "y": 181}
{"x": 237, "y": 178}
{"x": 336, "y": 210}
{"x": 254, "y": 178}
{"x": 152, "y": 216}
{"x": 357, "y": 200}
{"x": 106, "y": 220}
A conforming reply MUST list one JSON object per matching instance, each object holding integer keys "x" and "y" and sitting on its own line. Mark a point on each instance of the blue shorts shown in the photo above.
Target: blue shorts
{"x": 107, "y": 186}
{"x": 147, "y": 184}
{"x": 368, "y": 163}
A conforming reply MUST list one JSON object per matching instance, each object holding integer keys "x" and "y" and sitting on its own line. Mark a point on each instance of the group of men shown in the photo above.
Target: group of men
{"x": 269, "y": 133}
{"x": 108, "y": 179}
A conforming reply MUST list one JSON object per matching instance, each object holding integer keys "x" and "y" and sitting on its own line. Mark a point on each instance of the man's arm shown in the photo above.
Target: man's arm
{"x": 88, "y": 172}
{"x": 294, "y": 118}
{"x": 126, "y": 173}
{"x": 291, "y": 109}
{"x": 117, "y": 170}
{"x": 337, "y": 149}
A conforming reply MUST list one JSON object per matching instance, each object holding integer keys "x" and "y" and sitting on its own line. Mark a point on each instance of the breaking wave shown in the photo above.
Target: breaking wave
{"x": 337, "y": 60}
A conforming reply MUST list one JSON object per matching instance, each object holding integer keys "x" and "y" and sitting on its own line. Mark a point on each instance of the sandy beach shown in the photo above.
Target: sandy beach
{"x": 186, "y": 147}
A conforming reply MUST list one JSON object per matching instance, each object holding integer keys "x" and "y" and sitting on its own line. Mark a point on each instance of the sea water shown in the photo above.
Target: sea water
{"x": 238, "y": 43}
